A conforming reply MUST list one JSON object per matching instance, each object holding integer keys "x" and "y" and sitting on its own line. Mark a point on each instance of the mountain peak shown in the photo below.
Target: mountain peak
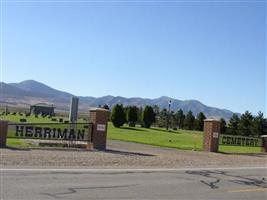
{"x": 40, "y": 88}
{"x": 165, "y": 98}
{"x": 32, "y": 85}
{"x": 30, "y": 81}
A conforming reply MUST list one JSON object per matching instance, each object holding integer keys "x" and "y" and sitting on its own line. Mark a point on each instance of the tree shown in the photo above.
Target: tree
{"x": 180, "y": 117}
{"x": 223, "y": 125}
{"x": 259, "y": 125}
{"x": 140, "y": 115}
{"x": 156, "y": 109}
{"x": 132, "y": 115}
{"x": 157, "y": 114}
{"x": 200, "y": 121}
{"x": 189, "y": 121}
{"x": 106, "y": 107}
{"x": 118, "y": 116}
{"x": 148, "y": 116}
{"x": 246, "y": 122}
{"x": 234, "y": 124}
{"x": 161, "y": 118}
{"x": 173, "y": 121}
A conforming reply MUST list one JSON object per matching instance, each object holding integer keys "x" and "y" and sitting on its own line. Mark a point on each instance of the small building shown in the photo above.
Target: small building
{"x": 42, "y": 109}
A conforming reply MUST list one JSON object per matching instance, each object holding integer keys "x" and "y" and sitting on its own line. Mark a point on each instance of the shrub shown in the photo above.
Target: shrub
{"x": 148, "y": 116}
{"x": 118, "y": 116}
{"x": 106, "y": 107}
{"x": 132, "y": 115}
{"x": 23, "y": 120}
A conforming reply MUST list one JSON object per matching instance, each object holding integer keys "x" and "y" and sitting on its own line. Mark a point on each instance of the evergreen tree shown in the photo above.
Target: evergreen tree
{"x": 173, "y": 121}
{"x": 189, "y": 121}
{"x": 157, "y": 114}
{"x": 162, "y": 118}
{"x": 200, "y": 121}
{"x": 234, "y": 125}
{"x": 156, "y": 109}
{"x": 140, "y": 115}
{"x": 132, "y": 115}
{"x": 106, "y": 107}
{"x": 118, "y": 116}
{"x": 148, "y": 116}
{"x": 223, "y": 125}
{"x": 246, "y": 124}
{"x": 180, "y": 117}
{"x": 259, "y": 125}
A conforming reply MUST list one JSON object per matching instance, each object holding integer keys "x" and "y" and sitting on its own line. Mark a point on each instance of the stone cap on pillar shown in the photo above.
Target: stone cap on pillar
{"x": 211, "y": 120}
{"x": 264, "y": 136}
{"x": 99, "y": 109}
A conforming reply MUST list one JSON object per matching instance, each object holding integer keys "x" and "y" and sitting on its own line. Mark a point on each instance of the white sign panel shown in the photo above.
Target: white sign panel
{"x": 215, "y": 135}
{"x": 101, "y": 127}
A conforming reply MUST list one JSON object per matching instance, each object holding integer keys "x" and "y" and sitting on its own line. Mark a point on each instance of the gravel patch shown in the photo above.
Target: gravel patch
{"x": 125, "y": 155}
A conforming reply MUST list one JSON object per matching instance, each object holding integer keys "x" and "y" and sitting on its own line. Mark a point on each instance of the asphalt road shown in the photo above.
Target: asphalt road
{"x": 238, "y": 183}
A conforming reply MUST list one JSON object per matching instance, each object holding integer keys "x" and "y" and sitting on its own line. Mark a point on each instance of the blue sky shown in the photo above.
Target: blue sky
{"x": 214, "y": 52}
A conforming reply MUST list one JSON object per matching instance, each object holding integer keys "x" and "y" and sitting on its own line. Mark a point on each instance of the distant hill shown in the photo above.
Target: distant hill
{"x": 30, "y": 92}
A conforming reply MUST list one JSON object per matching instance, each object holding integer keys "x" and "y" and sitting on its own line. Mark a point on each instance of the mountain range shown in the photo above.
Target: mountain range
{"x": 30, "y": 92}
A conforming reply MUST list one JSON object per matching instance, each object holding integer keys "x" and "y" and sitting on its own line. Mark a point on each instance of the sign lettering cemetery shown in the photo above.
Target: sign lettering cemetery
{"x": 231, "y": 140}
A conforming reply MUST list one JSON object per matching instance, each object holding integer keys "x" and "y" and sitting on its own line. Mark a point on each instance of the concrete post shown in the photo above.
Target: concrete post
{"x": 99, "y": 118}
{"x": 264, "y": 143}
{"x": 212, "y": 129}
{"x": 3, "y": 133}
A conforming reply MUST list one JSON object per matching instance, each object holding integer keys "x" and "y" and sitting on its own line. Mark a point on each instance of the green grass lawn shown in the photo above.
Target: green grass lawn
{"x": 237, "y": 149}
{"x": 180, "y": 139}
{"x": 18, "y": 143}
{"x": 188, "y": 140}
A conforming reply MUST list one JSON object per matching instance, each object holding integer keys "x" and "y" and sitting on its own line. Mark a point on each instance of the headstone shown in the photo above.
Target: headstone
{"x": 6, "y": 110}
{"x": 73, "y": 115}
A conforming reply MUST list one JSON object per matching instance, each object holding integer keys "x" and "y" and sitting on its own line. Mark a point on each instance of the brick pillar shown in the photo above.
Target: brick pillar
{"x": 212, "y": 130}
{"x": 264, "y": 143}
{"x": 99, "y": 118}
{"x": 3, "y": 133}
